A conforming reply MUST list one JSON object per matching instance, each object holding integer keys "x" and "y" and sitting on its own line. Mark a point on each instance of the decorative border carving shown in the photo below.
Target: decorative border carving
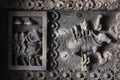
{"x": 63, "y": 5}
{"x": 53, "y": 46}
{"x": 98, "y": 74}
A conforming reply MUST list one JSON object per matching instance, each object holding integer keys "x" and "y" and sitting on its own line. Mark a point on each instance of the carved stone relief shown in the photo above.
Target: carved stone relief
{"x": 29, "y": 42}
{"x": 84, "y": 39}
{"x": 65, "y": 39}
{"x": 80, "y": 45}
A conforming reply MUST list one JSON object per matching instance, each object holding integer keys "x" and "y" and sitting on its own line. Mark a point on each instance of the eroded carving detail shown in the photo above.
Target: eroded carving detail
{"x": 88, "y": 42}
{"x": 116, "y": 28}
{"x": 87, "y": 39}
{"x": 85, "y": 60}
{"x": 29, "y": 41}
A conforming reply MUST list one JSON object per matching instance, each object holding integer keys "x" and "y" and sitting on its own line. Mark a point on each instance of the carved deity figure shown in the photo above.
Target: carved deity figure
{"x": 28, "y": 45}
{"x": 34, "y": 38}
{"x": 34, "y": 43}
{"x": 20, "y": 43}
{"x": 90, "y": 42}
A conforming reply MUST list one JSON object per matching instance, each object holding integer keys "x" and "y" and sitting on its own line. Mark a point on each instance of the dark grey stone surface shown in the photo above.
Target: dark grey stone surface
{"x": 83, "y": 39}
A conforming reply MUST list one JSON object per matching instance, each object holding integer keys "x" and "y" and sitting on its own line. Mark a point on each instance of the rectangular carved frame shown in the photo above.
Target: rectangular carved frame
{"x": 44, "y": 37}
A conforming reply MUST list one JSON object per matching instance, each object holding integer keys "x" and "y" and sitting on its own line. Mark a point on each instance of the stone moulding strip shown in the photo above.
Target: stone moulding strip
{"x": 63, "y": 5}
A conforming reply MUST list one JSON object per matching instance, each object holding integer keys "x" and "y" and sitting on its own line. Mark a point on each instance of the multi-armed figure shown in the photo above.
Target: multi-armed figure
{"x": 91, "y": 42}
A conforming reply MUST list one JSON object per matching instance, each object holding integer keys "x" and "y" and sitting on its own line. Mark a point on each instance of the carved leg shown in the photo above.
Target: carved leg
{"x": 38, "y": 60}
{"x": 23, "y": 48}
{"x": 100, "y": 58}
{"x": 85, "y": 60}
{"x": 23, "y": 60}
{"x": 106, "y": 57}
